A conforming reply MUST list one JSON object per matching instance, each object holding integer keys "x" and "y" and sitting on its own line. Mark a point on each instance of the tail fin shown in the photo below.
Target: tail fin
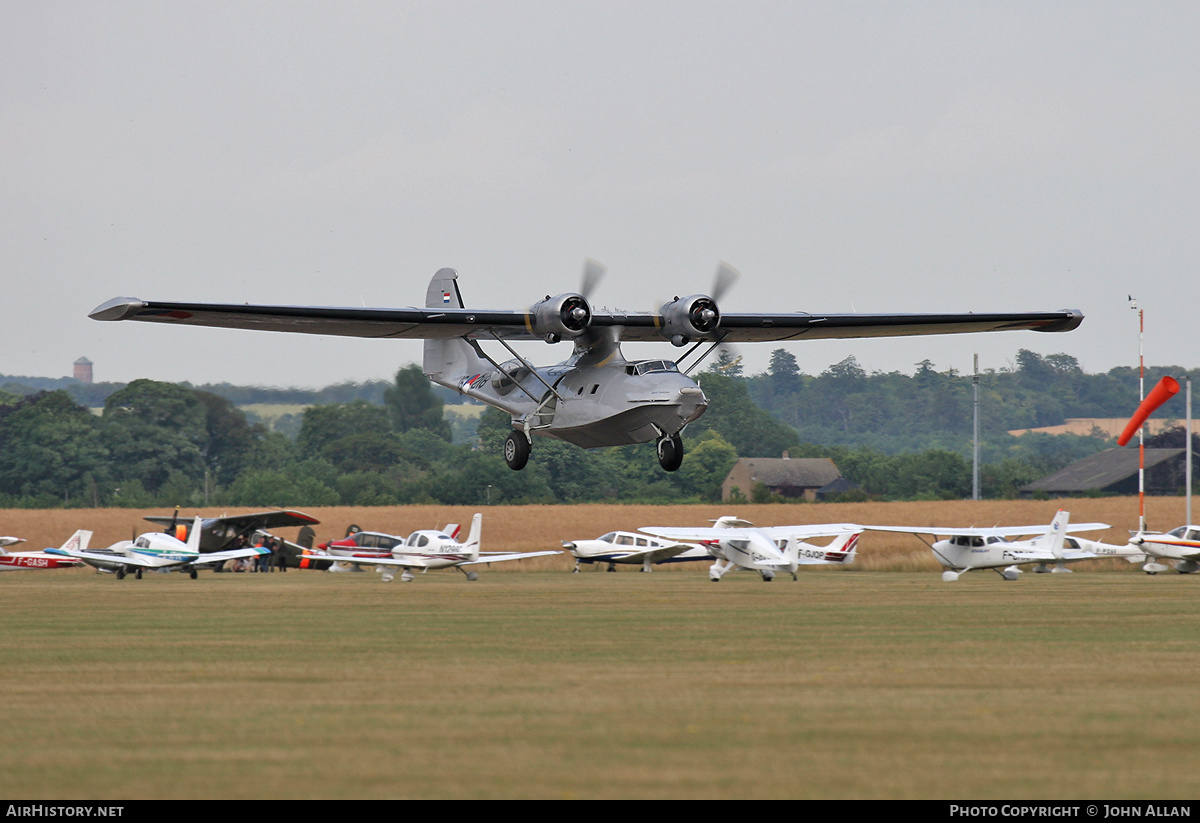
{"x": 843, "y": 548}
{"x": 452, "y": 362}
{"x": 193, "y": 539}
{"x": 1052, "y": 540}
{"x": 472, "y": 544}
{"x": 78, "y": 542}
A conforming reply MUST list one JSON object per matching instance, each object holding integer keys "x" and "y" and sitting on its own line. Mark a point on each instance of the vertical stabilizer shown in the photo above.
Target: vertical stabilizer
{"x": 79, "y": 541}
{"x": 1052, "y": 540}
{"x": 452, "y": 362}
{"x": 472, "y": 544}
{"x": 193, "y": 541}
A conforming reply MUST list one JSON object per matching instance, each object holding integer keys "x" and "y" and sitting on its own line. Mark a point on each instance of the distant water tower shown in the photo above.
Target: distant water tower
{"x": 83, "y": 370}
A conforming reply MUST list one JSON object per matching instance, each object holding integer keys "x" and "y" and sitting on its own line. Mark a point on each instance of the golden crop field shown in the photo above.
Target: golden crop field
{"x": 868, "y": 682}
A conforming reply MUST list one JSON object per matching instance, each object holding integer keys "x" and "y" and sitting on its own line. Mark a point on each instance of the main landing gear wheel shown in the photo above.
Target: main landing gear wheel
{"x": 516, "y": 450}
{"x": 670, "y": 452}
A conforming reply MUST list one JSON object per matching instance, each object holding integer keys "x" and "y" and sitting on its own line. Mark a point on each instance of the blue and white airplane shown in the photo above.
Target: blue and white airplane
{"x": 156, "y": 551}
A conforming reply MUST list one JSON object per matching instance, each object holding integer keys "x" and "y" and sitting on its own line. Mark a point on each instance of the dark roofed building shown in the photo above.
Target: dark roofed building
{"x": 1114, "y": 471}
{"x": 802, "y": 477}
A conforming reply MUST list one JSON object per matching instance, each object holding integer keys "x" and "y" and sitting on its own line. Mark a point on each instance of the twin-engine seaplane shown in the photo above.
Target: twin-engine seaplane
{"x": 767, "y": 550}
{"x": 990, "y": 548}
{"x": 24, "y": 561}
{"x": 596, "y": 397}
{"x": 156, "y": 551}
{"x": 424, "y": 549}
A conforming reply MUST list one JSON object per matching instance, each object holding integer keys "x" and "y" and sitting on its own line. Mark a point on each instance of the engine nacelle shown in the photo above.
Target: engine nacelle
{"x": 685, "y": 319}
{"x": 560, "y": 318}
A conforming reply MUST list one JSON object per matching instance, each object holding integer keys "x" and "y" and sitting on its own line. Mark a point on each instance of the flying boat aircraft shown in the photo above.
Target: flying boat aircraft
{"x": 770, "y": 549}
{"x": 24, "y": 561}
{"x": 155, "y": 551}
{"x": 424, "y": 549}
{"x": 596, "y": 397}
{"x": 633, "y": 549}
{"x": 990, "y": 548}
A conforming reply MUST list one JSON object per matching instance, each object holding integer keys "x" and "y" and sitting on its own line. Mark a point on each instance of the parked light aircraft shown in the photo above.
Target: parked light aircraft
{"x": 633, "y": 549}
{"x": 425, "y": 549}
{"x": 158, "y": 552}
{"x": 967, "y": 549}
{"x": 1179, "y": 547}
{"x": 767, "y": 550}
{"x": 596, "y": 397}
{"x": 217, "y": 533}
{"x": 21, "y": 561}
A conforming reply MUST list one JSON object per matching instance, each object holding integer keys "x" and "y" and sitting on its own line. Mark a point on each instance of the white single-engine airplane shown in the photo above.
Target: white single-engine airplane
{"x": 24, "y": 561}
{"x": 1051, "y": 549}
{"x": 767, "y": 550}
{"x": 633, "y": 549}
{"x": 596, "y": 397}
{"x": 156, "y": 551}
{"x": 1179, "y": 547}
{"x": 425, "y": 549}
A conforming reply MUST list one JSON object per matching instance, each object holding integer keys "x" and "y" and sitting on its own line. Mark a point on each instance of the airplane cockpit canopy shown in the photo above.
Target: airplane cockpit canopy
{"x": 650, "y": 366}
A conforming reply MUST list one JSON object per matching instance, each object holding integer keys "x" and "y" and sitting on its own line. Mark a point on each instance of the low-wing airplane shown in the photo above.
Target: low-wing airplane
{"x": 24, "y": 561}
{"x": 596, "y": 397}
{"x": 633, "y": 549}
{"x": 156, "y": 551}
{"x": 1051, "y": 549}
{"x": 217, "y": 533}
{"x": 1179, "y": 548}
{"x": 767, "y": 550}
{"x": 425, "y": 549}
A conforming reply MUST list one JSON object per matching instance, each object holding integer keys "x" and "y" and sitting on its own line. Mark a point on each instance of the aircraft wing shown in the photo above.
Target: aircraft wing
{"x": 709, "y": 533}
{"x": 995, "y": 531}
{"x": 425, "y": 323}
{"x": 128, "y": 560}
{"x": 10, "y": 541}
{"x": 499, "y": 558}
{"x": 233, "y": 554}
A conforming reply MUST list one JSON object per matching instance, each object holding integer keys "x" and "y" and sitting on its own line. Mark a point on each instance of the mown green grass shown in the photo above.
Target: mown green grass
{"x": 544, "y": 684}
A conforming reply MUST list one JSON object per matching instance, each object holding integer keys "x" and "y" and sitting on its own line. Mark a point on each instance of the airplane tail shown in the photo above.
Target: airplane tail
{"x": 77, "y": 542}
{"x": 843, "y": 549}
{"x": 452, "y": 362}
{"x": 1052, "y": 540}
{"x": 472, "y": 544}
{"x": 193, "y": 538}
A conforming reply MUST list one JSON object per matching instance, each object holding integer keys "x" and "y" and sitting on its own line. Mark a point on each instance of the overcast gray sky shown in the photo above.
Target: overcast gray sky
{"x": 844, "y": 156}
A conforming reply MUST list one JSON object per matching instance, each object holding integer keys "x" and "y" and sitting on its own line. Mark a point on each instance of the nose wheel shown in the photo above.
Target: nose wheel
{"x": 670, "y": 451}
{"x": 516, "y": 450}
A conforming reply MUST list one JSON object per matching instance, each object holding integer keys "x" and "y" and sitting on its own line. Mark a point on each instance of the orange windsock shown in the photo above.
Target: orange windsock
{"x": 1167, "y": 388}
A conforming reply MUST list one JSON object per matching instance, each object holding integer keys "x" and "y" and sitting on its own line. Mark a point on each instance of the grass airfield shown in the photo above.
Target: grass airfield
{"x": 849, "y": 683}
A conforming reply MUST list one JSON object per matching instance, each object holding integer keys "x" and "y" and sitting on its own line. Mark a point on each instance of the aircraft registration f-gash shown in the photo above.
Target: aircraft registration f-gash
{"x": 990, "y": 548}
{"x": 767, "y": 550}
{"x": 24, "y": 561}
{"x": 596, "y": 397}
{"x": 155, "y": 551}
{"x": 425, "y": 549}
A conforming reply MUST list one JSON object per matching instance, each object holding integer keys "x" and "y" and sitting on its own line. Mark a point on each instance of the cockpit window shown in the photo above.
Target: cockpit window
{"x": 649, "y": 366}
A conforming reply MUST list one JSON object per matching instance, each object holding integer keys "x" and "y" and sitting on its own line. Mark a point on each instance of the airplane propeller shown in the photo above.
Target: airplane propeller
{"x": 593, "y": 273}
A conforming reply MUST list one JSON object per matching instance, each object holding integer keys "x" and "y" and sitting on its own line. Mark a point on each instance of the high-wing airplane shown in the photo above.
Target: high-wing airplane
{"x": 633, "y": 549}
{"x": 217, "y": 533}
{"x": 1179, "y": 547}
{"x": 989, "y": 548}
{"x": 596, "y": 397}
{"x": 425, "y": 549}
{"x": 156, "y": 551}
{"x": 767, "y": 550}
{"x": 23, "y": 561}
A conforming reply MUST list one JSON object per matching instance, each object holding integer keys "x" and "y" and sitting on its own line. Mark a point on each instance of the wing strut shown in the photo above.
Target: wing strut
{"x": 532, "y": 369}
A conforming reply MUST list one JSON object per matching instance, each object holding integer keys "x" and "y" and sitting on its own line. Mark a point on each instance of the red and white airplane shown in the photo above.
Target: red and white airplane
{"x": 22, "y": 561}
{"x": 425, "y": 549}
{"x": 1179, "y": 547}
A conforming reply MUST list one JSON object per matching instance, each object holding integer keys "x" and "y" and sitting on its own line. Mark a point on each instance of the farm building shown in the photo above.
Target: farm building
{"x": 1114, "y": 471}
{"x": 807, "y": 477}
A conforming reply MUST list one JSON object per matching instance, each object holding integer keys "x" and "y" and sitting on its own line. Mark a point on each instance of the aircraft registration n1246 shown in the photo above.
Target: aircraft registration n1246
{"x": 595, "y": 397}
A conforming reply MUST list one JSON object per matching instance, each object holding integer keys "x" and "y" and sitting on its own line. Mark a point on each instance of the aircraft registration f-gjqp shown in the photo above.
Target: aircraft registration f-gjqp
{"x": 596, "y": 397}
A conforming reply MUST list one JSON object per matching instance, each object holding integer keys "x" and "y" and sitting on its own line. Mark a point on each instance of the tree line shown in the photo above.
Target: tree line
{"x": 896, "y": 436}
